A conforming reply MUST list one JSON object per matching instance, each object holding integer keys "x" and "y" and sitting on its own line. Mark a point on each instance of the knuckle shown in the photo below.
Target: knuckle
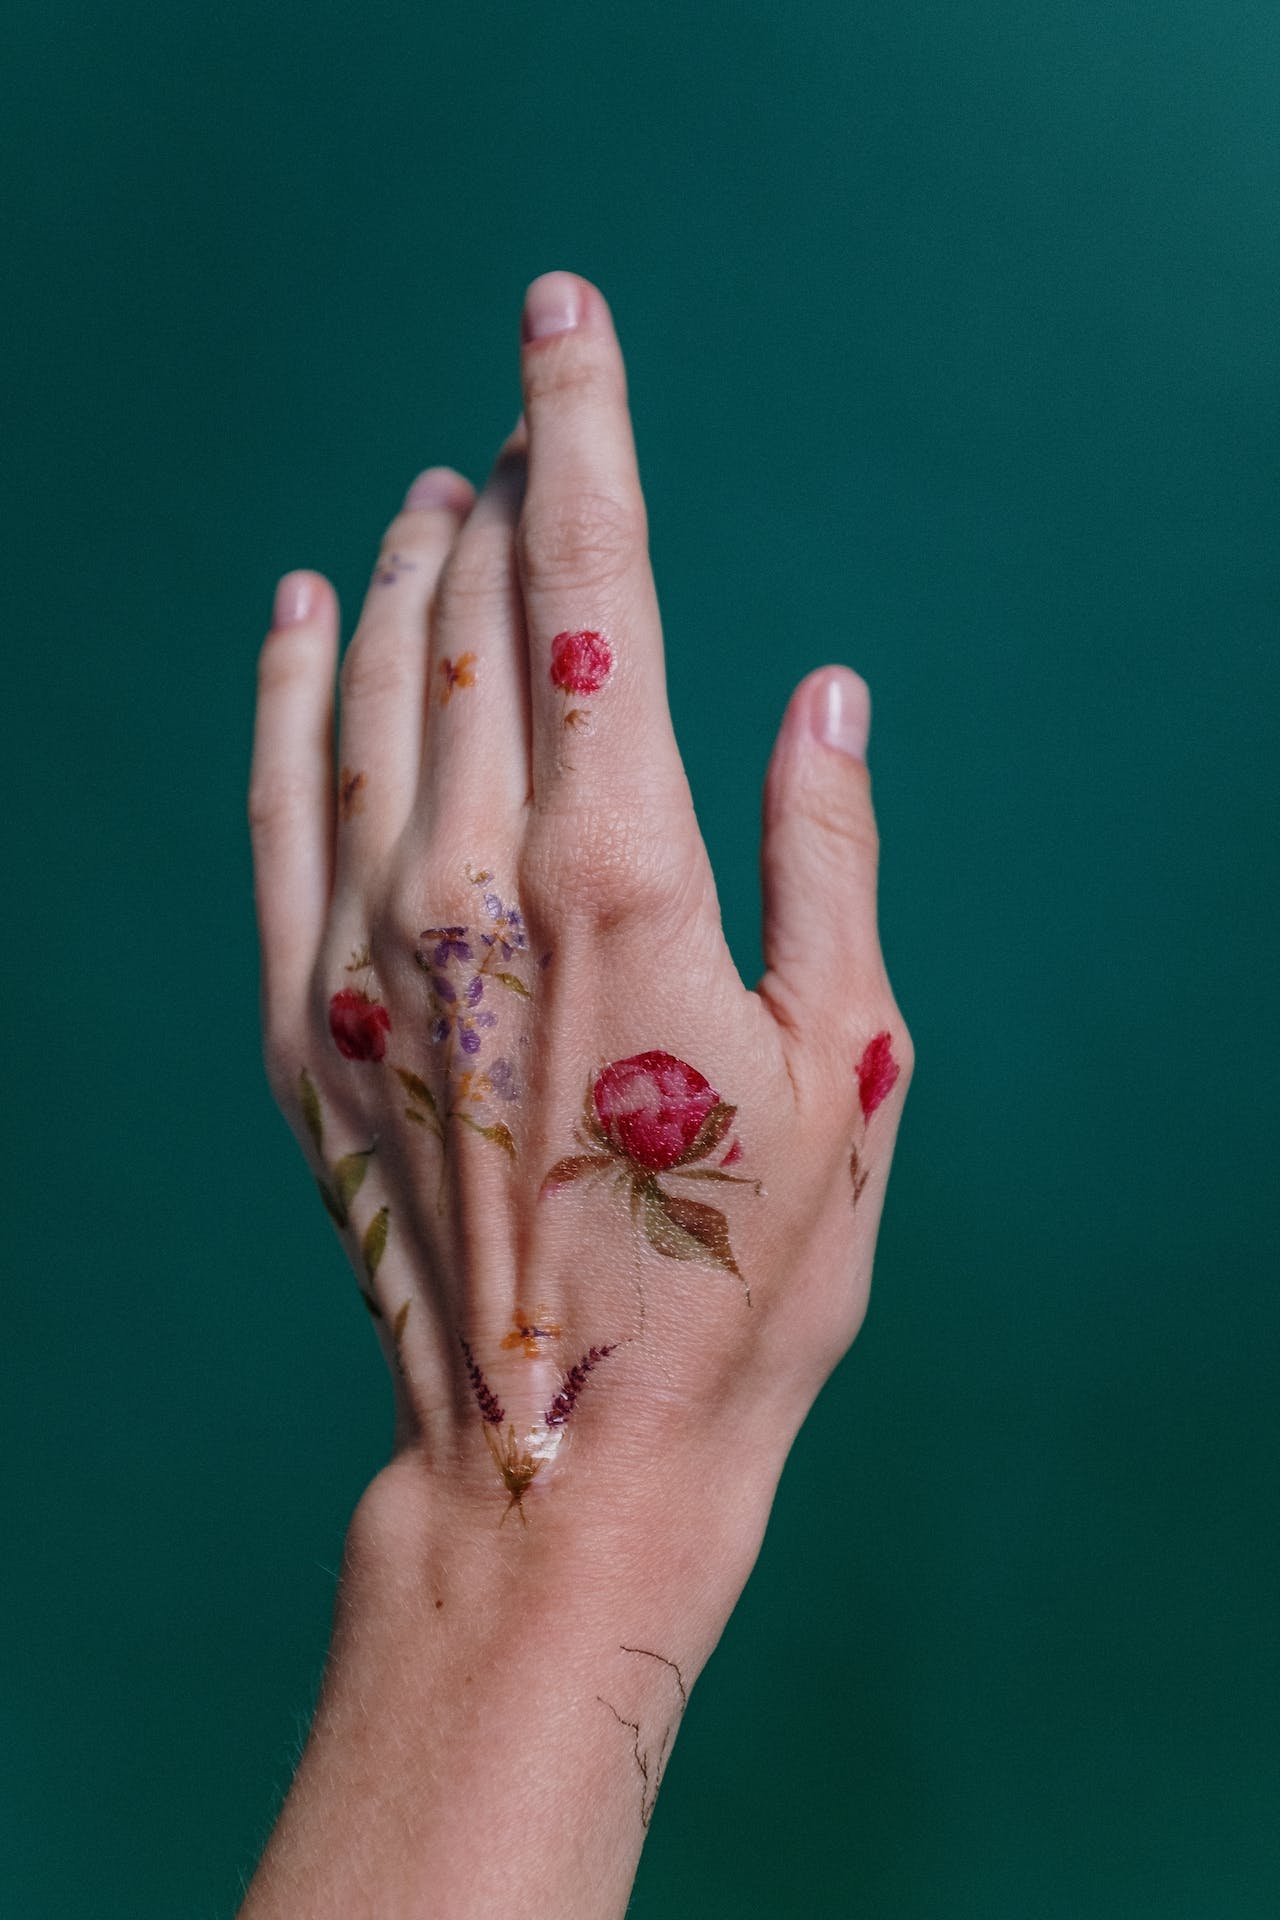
{"x": 417, "y": 897}
{"x": 373, "y": 670}
{"x": 609, "y": 869}
{"x": 285, "y": 664}
{"x": 575, "y": 372}
{"x": 589, "y": 539}
{"x": 842, "y": 821}
{"x": 478, "y": 573}
{"x": 277, "y": 802}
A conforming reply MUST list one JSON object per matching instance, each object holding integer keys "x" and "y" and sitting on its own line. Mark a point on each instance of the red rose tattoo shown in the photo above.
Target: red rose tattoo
{"x": 652, "y": 1107}
{"x": 580, "y": 664}
{"x": 653, "y": 1114}
{"x": 358, "y": 1024}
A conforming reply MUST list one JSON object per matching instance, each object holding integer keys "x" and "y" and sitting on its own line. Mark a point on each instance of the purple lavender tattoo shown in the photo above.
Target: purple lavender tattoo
{"x": 470, "y": 972}
{"x": 519, "y": 1460}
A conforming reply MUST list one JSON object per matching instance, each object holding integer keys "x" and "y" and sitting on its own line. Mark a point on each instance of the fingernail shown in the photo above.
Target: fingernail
{"x": 295, "y": 600}
{"x": 840, "y": 714}
{"x": 437, "y": 487}
{"x": 553, "y": 304}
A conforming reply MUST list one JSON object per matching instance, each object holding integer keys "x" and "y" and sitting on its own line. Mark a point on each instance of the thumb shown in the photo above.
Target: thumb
{"x": 819, "y": 859}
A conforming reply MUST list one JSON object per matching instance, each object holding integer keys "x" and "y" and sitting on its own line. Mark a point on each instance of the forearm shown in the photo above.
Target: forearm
{"x": 498, "y": 1709}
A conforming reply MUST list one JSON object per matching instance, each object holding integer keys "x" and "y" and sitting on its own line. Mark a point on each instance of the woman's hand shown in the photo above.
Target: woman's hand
{"x": 612, "y": 1212}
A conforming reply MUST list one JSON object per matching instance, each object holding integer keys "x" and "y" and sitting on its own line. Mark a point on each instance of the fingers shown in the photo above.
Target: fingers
{"x": 595, "y": 639}
{"x": 291, "y": 797}
{"x": 476, "y": 763}
{"x": 384, "y": 673}
{"x": 819, "y": 859}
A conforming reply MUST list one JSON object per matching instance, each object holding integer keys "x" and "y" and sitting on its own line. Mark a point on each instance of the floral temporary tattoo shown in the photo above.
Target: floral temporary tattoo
{"x": 342, "y": 1181}
{"x": 351, "y": 786}
{"x": 456, "y": 675}
{"x": 339, "y": 1185}
{"x": 877, "y": 1072}
{"x": 527, "y": 1334}
{"x": 390, "y": 567}
{"x": 359, "y": 1024}
{"x": 519, "y": 1458}
{"x": 575, "y": 1379}
{"x": 580, "y": 665}
{"x": 654, "y": 1115}
{"x": 651, "y": 1757}
{"x": 474, "y": 974}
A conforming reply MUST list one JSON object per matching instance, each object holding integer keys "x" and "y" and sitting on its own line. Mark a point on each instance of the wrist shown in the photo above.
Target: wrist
{"x": 497, "y": 1710}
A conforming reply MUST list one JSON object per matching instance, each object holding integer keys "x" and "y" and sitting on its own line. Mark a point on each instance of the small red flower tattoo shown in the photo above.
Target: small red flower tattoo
{"x": 877, "y": 1072}
{"x": 580, "y": 664}
{"x": 359, "y": 1025}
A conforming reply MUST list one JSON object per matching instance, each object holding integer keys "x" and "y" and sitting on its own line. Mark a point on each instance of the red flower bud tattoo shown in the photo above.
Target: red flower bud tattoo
{"x": 580, "y": 662}
{"x": 877, "y": 1072}
{"x": 653, "y": 1114}
{"x": 358, "y": 1024}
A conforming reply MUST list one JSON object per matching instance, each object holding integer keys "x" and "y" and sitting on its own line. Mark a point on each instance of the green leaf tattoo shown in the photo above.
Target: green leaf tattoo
{"x": 375, "y": 1240}
{"x": 499, "y": 1132}
{"x": 686, "y": 1229}
{"x": 417, "y": 1089}
{"x": 576, "y": 1167}
{"x": 348, "y": 1175}
{"x": 311, "y": 1109}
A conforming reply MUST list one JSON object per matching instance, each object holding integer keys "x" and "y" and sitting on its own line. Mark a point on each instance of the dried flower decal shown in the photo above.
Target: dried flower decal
{"x": 456, "y": 674}
{"x": 654, "y": 1114}
{"x": 351, "y": 788}
{"x": 338, "y": 1187}
{"x": 558, "y": 1413}
{"x": 519, "y": 1460}
{"x": 359, "y": 1025}
{"x": 491, "y": 1410}
{"x": 517, "y": 1467}
{"x": 390, "y": 566}
{"x": 527, "y": 1334}
{"x": 470, "y": 973}
{"x": 580, "y": 663}
{"x": 877, "y": 1072}
{"x": 345, "y": 1176}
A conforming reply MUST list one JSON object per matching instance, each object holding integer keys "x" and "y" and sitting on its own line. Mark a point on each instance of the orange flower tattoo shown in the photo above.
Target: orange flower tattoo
{"x": 526, "y": 1333}
{"x": 455, "y": 674}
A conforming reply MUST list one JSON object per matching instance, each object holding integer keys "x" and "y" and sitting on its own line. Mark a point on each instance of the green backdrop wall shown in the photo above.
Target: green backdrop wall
{"x": 951, "y": 332}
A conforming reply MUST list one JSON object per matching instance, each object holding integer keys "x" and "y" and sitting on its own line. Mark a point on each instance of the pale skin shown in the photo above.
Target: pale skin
{"x": 510, "y": 1661}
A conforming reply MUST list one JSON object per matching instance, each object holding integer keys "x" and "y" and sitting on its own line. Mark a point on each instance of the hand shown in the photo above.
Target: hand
{"x": 612, "y": 1212}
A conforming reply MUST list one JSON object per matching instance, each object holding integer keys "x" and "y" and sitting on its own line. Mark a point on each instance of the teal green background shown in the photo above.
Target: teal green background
{"x": 951, "y": 332}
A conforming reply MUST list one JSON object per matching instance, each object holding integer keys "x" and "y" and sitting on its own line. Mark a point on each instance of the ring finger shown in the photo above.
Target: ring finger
{"x": 384, "y": 673}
